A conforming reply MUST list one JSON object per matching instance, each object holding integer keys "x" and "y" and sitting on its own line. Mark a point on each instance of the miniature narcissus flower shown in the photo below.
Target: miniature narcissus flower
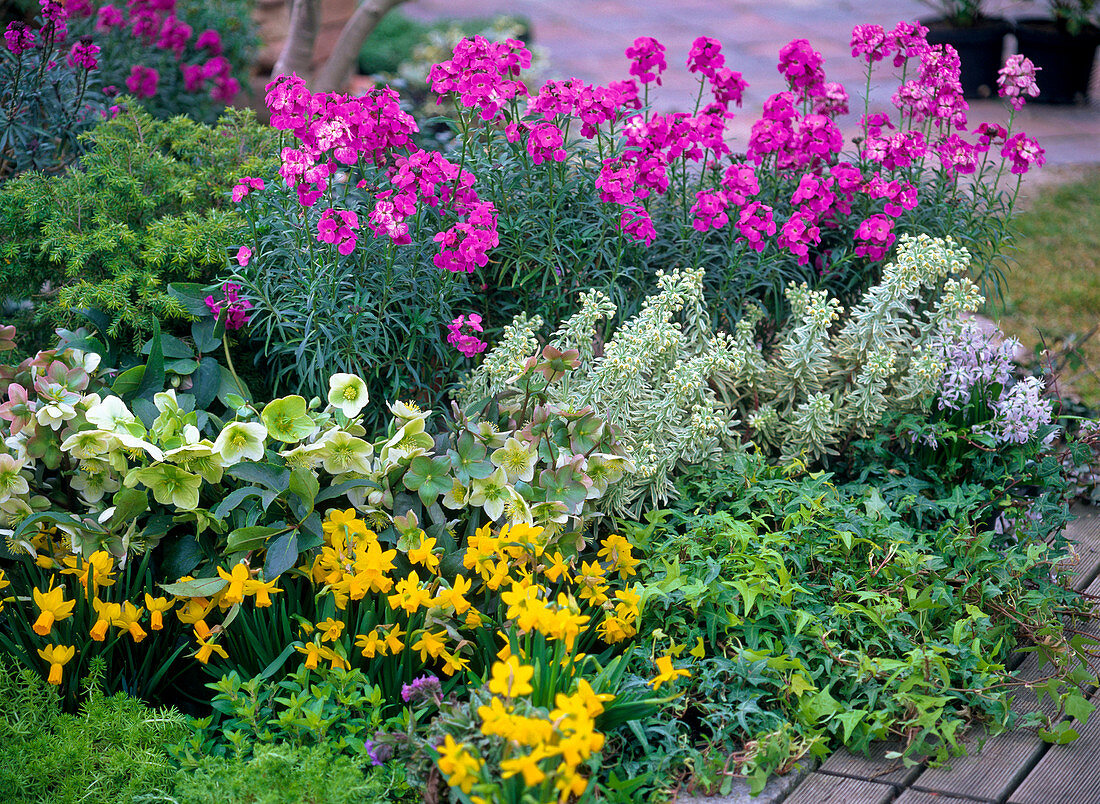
{"x": 666, "y": 672}
{"x": 57, "y": 656}
{"x": 53, "y": 607}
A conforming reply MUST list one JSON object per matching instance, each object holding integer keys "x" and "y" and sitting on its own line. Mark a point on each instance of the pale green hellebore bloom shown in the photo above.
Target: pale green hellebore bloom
{"x": 491, "y": 494}
{"x": 170, "y": 485}
{"x": 517, "y": 459}
{"x": 198, "y": 457}
{"x": 407, "y": 443}
{"x": 94, "y": 480}
{"x": 288, "y": 420}
{"x": 457, "y": 497}
{"x": 88, "y": 444}
{"x": 240, "y": 441}
{"x": 345, "y": 453}
{"x": 122, "y": 441}
{"x": 111, "y": 414}
{"x": 406, "y": 412}
{"x": 12, "y": 483}
{"x": 347, "y": 393}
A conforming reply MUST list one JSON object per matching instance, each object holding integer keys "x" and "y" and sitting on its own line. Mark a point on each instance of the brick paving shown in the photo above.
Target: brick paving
{"x": 586, "y": 39}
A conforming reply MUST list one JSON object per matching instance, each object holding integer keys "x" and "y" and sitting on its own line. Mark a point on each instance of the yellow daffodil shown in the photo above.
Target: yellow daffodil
{"x": 238, "y": 577}
{"x": 262, "y": 592}
{"x": 106, "y": 613}
{"x": 459, "y": 764}
{"x": 330, "y": 629}
{"x": 393, "y": 640}
{"x": 52, "y": 607}
{"x": 57, "y": 656}
{"x": 128, "y": 619}
{"x": 511, "y": 679}
{"x": 207, "y": 647}
{"x": 312, "y": 652}
{"x": 527, "y": 765}
{"x": 666, "y": 672}
{"x": 430, "y": 644}
{"x": 92, "y": 573}
{"x": 371, "y": 644}
{"x": 422, "y": 554}
{"x": 157, "y": 607}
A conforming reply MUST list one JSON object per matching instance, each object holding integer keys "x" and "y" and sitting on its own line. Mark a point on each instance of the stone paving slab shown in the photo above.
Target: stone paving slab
{"x": 820, "y": 788}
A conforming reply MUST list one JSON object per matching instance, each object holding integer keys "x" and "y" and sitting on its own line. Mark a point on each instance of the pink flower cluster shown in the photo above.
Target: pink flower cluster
{"x": 483, "y": 75}
{"x": 245, "y": 186}
{"x": 338, "y": 227}
{"x": 460, "y": 334}
{"x": 465, "y": 246}
{"x": 236, "y": 315}
{"x": 154, "y": 22}
{"x": 84, "y": 54}
{"x": 1016, "y": 81}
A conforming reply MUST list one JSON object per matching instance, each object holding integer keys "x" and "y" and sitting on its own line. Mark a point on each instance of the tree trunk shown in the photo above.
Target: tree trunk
{"x": 335, "y": 71}
{"x": 305, "y": 16}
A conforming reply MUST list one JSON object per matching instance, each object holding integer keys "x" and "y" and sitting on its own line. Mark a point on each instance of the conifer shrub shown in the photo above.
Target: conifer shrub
{"x": 147, "y": 205}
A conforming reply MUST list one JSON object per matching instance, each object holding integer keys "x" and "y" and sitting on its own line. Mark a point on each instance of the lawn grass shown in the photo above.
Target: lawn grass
{"x": 1053, "y": 289}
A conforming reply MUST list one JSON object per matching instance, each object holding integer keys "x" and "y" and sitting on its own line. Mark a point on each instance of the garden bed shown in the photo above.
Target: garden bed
{"x": 572, "y": 456}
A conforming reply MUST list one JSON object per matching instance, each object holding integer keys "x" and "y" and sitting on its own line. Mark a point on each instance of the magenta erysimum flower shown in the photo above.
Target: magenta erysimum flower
{"x": 709, "y": 210}
{"x": 728, "y": 86}
{"x": 870, "y": 42}
{"x": 244, "y": 254}
{"x": 226, "y": 88}
{"x": 236, "y": 315}
{"x": 957, "y": 155}
{"x": 907, "y": 40}
{"x": 465, "y": 246}
{"x": 544, "y": 143}
{"x": 797, "y": 235}
{"x": 1024, "y": 152}
{"x": 800, "y": 64}
{"x": 647, "y": 57}
{"x": 193, "y": 78}
{"x": 338, "y": 227}
{"x": 174, "y": 35}
{"x": 78, "y": 8}
{"x": 755, "y": 222}
{"x": 989, "y": 134}
{"x": 18, "y": 37}
{"x": 210, "y": 41}
{"x": 830, "y": 99}
{"x": 1016, "y": 80}
{"x": 466, "y": 342}
{"x": 142, "y": 82}
{"x": 635, "y": 221}
{"x": 705, "y": 57}
{"x": 108, "y": 17}
{"x": 740, "y": 184}
{"x": 83, "y": 54}
{"x": 875, "y": 236}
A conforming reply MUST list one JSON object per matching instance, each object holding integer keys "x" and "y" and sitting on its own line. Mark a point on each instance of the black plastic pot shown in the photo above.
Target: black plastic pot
{"x": 980, "y": 47}
{"x": 1065, "y": 61}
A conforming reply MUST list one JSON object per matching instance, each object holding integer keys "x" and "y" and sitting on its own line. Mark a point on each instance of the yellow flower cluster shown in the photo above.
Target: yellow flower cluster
{"x": 427, "y": 614}
{"x": 93, "y": 577}
{"x": 546, "y": 748}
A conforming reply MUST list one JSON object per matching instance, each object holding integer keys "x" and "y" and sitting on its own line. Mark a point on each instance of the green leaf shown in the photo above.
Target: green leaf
{"x": 127, "y": 383}
{"x": 306, "y": 486}
{"x": 205, "y": 382}
{"x": 181, "y": 555}
{"x": 268, "y": 475}
{"x": 281, "y": 555}
{"x": 249, "y": 538}
{"x": 170, "y": 346}
{"x": 191, "y": 295}
{"x": 152, "y": 380}
{"x": 1079, "y": 708}
{"x": 198, "y": 587}
{"x": 1062, "y": 734}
